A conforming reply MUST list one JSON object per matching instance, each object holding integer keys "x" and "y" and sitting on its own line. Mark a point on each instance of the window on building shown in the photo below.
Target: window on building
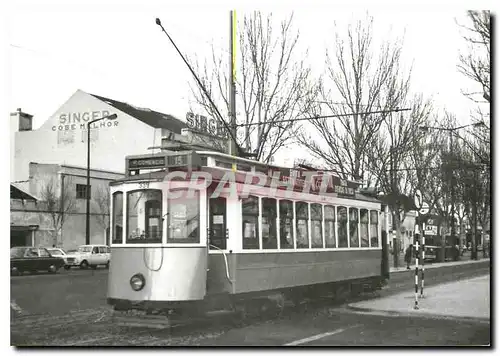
{"x": 353, "y": 227}
{"x": 144, "y": 216}
{"x": 363, "y": 228}
{"x": 316, "y": 226}
{"x": 117, "y": 218}
{"x": 183, "y": 216}
{"x": 374, "y": 228}
{"x": 81, "y": 191}
{"x": 250, "y": 215}
{"x": 342, "y": 221}
{"x": 286, "y": 224}
{"x": 269, "y": 226}
{"x": 302, "y": 213}
{"x": 330, "y": 226}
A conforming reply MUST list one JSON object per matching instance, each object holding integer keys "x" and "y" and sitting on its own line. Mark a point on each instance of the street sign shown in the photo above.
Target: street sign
{"x": 425, "y": 209}
{"x": 418, "y": 199}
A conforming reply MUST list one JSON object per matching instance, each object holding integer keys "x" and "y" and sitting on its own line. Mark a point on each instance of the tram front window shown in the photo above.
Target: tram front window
{"x": 183, "y": 217}
{"x": 117, "y": 218}
{"x": 144, "y": 216}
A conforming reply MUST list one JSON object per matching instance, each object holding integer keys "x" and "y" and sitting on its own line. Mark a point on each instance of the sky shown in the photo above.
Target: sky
{"x": 115, "y": 49}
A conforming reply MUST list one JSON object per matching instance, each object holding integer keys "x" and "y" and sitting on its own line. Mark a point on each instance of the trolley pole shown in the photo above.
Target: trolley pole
{"x": 416, "y": 276}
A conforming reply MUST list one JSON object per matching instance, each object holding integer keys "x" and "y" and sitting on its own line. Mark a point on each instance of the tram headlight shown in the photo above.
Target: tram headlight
{"x": 137, "y": 282}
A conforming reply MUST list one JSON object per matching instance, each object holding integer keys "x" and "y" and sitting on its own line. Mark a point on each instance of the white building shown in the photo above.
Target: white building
{"x": 57, "y": 153}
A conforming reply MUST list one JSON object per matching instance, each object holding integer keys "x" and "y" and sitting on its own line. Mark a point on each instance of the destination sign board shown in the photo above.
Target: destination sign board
{"x": 146, "y": 163}
{"x": 185, "y": 159}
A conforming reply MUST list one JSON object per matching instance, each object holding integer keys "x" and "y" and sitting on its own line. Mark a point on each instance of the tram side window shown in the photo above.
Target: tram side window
{"x": 374, "y": 228}
{"x": 250, "y": 233}
{"x": 144, "y": 209}
{"x": 316, "y": 226}
{"x": 269, "y": 228}
{"x": 330, "y": 226}
{"x": 183, "y": 216}
{"x": 342, "y": 221}
{"x": 302, "y": 212}
{"x": 117, "y": 218}
{"x": 286, "y": 224}
{"x": 363, "y": 228}
{"x": 353, "y": 227}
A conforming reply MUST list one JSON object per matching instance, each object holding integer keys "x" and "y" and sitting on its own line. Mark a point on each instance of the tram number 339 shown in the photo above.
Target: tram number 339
{"x": 144, "y": 185}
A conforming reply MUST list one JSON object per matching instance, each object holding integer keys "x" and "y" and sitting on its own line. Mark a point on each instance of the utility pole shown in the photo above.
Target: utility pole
{"x": 232, "y": 84}
{"x": 474, "y": 216}
{"x": 452, "y": 203}
{"x": 394, "y": 211}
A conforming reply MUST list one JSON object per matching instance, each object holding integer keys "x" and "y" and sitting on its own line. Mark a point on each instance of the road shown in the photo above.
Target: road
{"x": 70, "y": 309}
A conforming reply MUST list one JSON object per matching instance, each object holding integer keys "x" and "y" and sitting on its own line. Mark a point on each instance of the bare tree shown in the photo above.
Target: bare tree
{"x": 102, "y": 202}
{"x": 389, "y": 158}
{"x": 364, "y": 85}
{"x": 57, "y": 205}
{"x": 475, "y": 64}
{"x": 272, "y": 87}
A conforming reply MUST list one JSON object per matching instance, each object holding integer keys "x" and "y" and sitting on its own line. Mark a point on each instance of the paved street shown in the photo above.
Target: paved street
{"x": 70, "y": 309}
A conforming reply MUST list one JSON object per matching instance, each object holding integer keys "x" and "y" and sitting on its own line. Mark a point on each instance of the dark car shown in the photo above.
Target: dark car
{"x": 33, "y": 259}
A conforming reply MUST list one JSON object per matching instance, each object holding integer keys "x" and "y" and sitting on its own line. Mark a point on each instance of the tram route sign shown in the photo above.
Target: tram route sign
{"x": 165, "y": 161}
{"x": 146, "y": 163}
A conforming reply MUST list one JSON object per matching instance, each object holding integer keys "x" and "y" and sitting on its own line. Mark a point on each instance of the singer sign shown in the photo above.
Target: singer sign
{"x": 206, "y": 125}
{"x": 78, "y": 120}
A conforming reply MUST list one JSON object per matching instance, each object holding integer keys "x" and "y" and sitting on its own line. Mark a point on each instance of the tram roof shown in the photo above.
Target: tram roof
{"x": 217, "y": 174}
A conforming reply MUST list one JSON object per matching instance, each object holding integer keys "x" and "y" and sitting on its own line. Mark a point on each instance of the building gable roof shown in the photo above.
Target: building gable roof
{"x": 150, "y": 117}
{"x": 18, "y": 193}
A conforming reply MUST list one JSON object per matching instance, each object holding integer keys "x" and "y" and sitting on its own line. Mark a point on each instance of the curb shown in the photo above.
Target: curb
{"x": 425, "y": 315}
{"x": 441, "y": 265}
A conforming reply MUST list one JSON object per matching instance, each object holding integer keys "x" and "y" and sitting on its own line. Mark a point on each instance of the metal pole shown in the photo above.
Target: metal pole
{"x": 474, "y": 218}
{"x": 87, "y": 213}
{"x": 416, "y": 276}
{"x": 423, "y": 261}
{"x": 452, "y": 203}
{"x": 232, "y": 84}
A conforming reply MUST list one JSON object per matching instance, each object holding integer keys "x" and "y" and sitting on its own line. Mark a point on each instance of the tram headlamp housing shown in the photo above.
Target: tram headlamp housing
{"x": 137, "y": 282}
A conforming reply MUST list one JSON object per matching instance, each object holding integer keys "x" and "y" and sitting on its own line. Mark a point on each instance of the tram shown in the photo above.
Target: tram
{"x": 193, "y": 231}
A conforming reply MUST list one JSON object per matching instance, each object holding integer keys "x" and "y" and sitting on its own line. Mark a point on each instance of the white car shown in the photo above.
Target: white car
{"x": 58, "y": 252}
{"x": 89, "y": 256}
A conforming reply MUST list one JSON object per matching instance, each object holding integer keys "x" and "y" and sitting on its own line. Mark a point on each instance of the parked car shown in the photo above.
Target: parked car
{"x": 58, "y": 252}
{"x": 33, "y": 259}
{"x": 89, "y": 256}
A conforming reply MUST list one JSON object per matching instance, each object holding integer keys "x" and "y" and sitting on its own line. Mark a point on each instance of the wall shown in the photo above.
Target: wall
{"x": 58, "y": 141}
{"x": 73, "y": 231}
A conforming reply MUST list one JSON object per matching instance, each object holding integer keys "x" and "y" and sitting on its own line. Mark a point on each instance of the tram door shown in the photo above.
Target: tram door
{"x": 217, "y": 223}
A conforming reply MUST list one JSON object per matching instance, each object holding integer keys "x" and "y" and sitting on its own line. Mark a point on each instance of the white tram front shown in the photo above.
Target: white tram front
{"x": 197, "y": 230}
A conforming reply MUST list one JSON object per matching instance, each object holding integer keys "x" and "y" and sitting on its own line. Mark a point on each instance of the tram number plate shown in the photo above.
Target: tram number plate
{"x": 144, "y": 185}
